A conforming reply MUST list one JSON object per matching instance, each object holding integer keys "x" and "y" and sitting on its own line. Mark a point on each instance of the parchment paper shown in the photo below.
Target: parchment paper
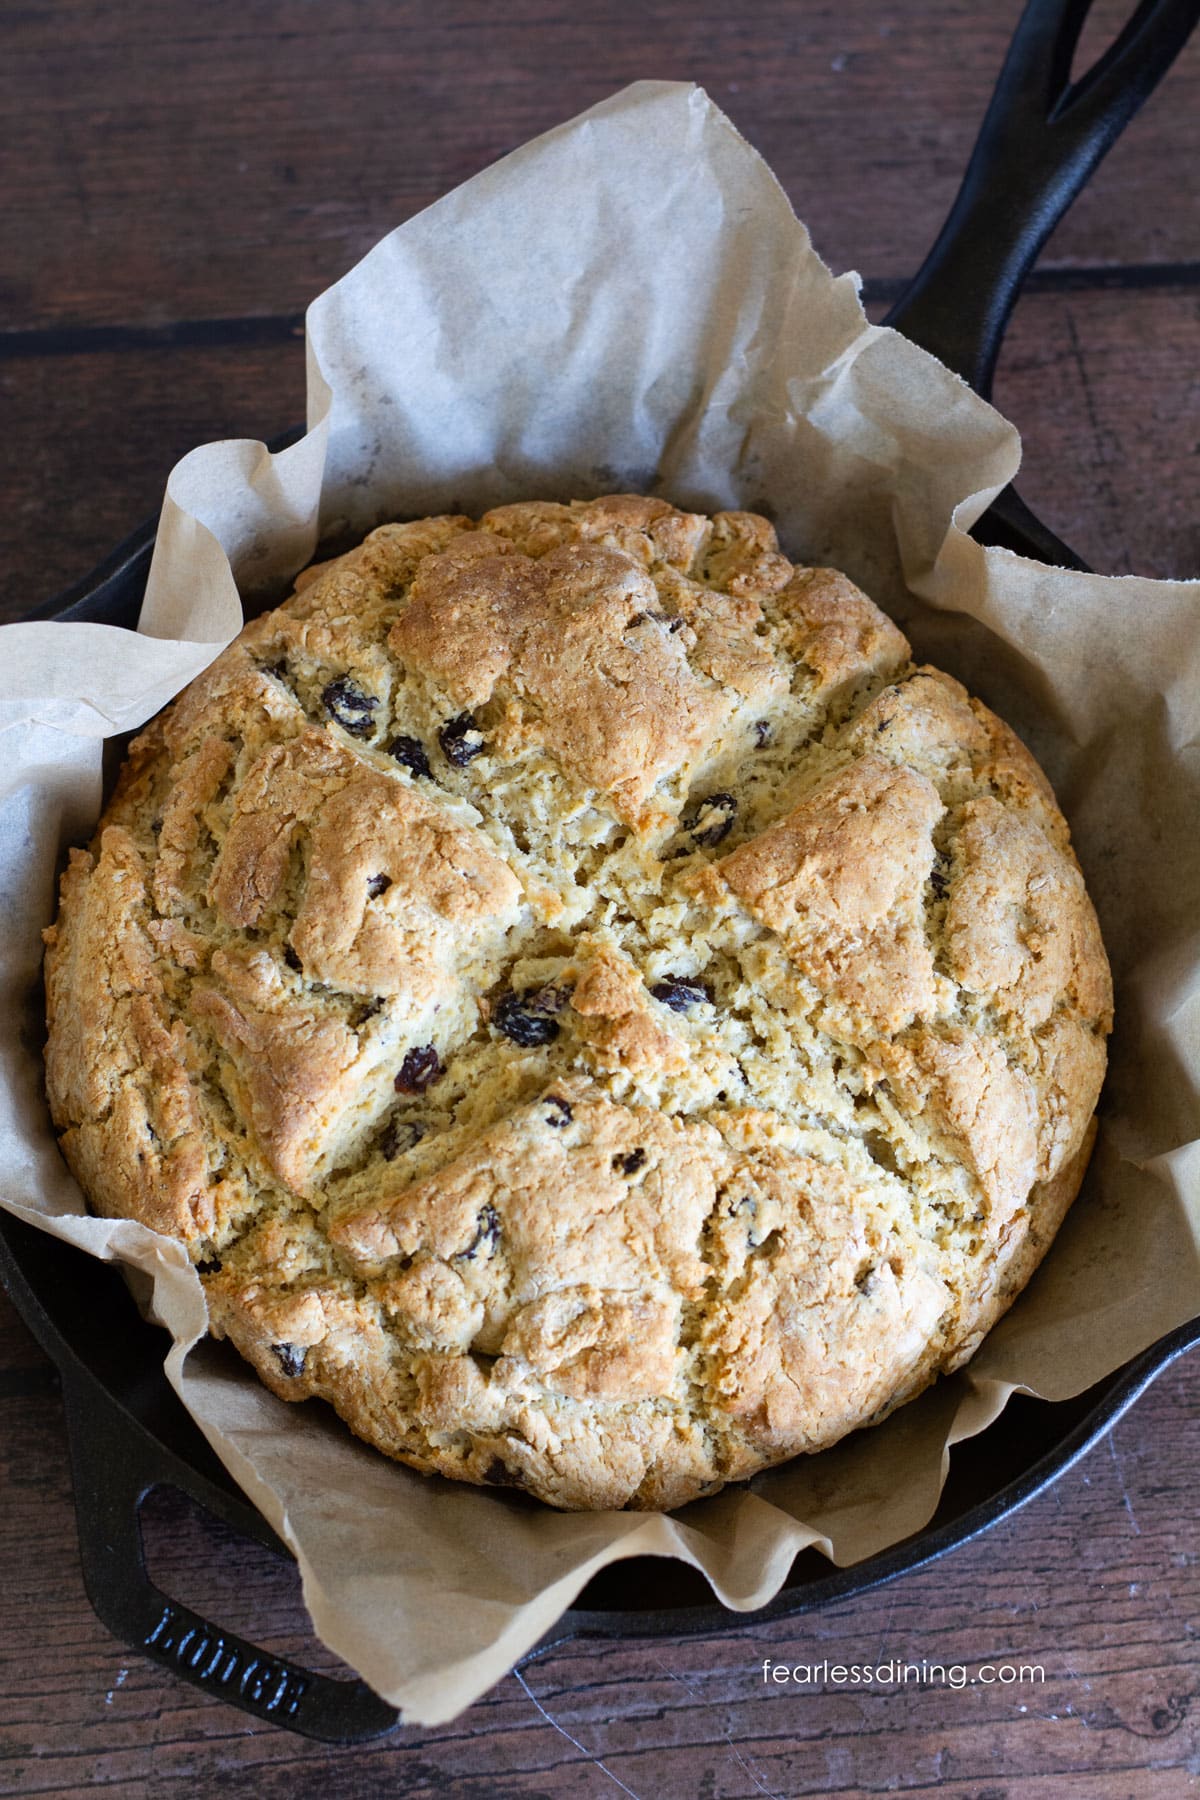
{"x": 629, "y": 304}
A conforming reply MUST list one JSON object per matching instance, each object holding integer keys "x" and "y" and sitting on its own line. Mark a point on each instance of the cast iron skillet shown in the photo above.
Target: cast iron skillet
{"x": 1040, "y": 140}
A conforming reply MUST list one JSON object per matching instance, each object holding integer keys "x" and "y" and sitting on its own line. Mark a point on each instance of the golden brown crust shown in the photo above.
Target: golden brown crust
{"x": 841, "y": 880}
{"x": 834, "y": 631}
{"x": 576, "y": 646}
{"x": 593, "y": 1011}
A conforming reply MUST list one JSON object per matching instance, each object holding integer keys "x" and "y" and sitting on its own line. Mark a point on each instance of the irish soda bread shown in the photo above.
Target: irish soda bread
{"x": 595, "y": 1013}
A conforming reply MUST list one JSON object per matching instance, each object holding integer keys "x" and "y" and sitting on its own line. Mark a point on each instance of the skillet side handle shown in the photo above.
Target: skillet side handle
{"x": 1040, "y": 140}
{"x": 109, "y": 1490}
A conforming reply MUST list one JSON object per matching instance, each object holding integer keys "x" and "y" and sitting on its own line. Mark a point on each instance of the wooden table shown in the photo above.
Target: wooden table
{"x": 180, "y": 182}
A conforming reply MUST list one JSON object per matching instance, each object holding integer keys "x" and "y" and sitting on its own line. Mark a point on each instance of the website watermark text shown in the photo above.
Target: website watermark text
{"x": 894, "y": 1673}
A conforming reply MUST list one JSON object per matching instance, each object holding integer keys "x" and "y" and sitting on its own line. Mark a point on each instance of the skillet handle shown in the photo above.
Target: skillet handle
{"x": 1040, "y": 140}
{"x": 110, "y": 1485}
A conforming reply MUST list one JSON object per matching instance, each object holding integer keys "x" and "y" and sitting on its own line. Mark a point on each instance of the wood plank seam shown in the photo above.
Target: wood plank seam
{"x": 275, "y": 328}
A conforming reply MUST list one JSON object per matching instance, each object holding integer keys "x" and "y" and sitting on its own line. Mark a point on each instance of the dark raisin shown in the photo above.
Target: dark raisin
{"x": 378, "y": 884}
{"x": 679, "y": 994}
{"x": 209, "y": 1265}
{"x": 292, "y": 960}
{"x": 349, "y": 706}
{"x": 630, "y": 1162}
{"x": 528, "y": 1018}
{"x": 711, "y": 820}
{"x": 762, "y": 732}
{"x": 461, "y": 739}
{"x": 291, "y": 1358}
{"x": 676, "y": 624}
{"x": 559, "y": 1114}
{"x": 487, "y": 1233}
{"x": 419, "y": 1070}
{"x": 398, "y": 1136}
{"x": 498, "y": 1474}
{"x": 410, "y": 752}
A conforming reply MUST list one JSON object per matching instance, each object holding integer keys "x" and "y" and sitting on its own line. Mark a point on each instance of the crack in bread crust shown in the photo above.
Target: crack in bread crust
{"x": 596, "y": 1014}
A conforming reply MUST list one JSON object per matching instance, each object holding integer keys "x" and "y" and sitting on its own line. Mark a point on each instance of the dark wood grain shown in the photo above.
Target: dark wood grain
{"x": 91, "y": 439}
{"x": 179, "y": 183}
{"x": 1104, "y": 387}
{"x": 236, "y": 158}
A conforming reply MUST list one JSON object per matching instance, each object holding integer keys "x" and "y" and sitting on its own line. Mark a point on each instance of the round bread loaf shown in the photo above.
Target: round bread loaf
{"x": 595, "y": 1013}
